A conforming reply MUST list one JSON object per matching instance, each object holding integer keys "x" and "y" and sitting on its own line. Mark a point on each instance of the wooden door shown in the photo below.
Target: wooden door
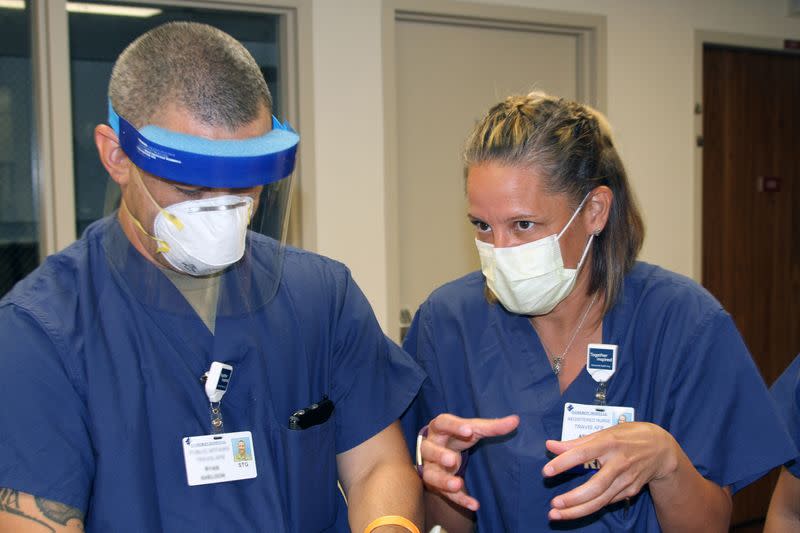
{"x": 751, "y": 232}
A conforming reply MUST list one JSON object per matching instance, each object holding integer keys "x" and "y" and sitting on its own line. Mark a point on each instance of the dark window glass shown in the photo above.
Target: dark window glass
{"x": 19, "y": 242}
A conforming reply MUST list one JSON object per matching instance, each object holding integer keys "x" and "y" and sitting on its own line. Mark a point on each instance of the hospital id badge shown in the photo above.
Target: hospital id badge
{"x": 581, "y": 420}
{"x": 219, "y": 458}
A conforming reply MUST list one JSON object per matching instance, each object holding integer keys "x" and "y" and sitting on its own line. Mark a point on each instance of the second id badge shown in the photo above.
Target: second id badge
{"x": 219, "y": 458}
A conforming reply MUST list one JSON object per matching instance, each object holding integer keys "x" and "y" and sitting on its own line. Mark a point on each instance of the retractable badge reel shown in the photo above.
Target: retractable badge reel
{"x": 216, "y": 383}
{"x": 601, "y": 363}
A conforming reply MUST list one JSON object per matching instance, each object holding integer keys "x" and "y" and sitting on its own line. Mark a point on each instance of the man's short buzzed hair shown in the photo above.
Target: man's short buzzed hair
{"x": 193, "y": 66}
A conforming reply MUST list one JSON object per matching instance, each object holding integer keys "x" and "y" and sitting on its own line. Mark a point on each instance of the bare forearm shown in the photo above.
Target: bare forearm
{"x": 784, "y": 508}
{"x": 440, "y": 512}
{"x": 389, "y": 489}
{"x": 24, "y": 513}
{"x": 685, "y": 501}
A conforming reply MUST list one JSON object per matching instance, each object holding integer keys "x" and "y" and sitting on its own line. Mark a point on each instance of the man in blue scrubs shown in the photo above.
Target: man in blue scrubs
{"x": 134, "y": 358}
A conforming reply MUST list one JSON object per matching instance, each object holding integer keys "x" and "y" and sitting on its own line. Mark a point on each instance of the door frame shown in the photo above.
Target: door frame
{"x": 590, "y": 30}
{"x": 702, "y": 38}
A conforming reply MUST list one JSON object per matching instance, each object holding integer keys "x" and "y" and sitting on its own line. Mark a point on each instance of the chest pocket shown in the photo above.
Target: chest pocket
{"x": 307, "y": 461}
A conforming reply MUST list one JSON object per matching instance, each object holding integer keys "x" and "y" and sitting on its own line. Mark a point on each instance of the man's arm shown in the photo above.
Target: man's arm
{"x": 379, "y": 479}
{"x": 23, "y": 513}
{"x": 445, "y": 513}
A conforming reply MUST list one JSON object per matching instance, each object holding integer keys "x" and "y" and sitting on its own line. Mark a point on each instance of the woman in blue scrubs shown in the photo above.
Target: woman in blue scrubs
{"x": 517, "y": 382}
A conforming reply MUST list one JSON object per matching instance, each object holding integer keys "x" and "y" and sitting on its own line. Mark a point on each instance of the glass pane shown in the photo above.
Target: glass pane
{"x": 95, "y": 42}
{"x": 19, "y": 246}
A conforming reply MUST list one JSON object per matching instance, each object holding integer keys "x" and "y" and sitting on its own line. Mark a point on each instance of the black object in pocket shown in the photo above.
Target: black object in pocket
{"x": 313, "y": 415}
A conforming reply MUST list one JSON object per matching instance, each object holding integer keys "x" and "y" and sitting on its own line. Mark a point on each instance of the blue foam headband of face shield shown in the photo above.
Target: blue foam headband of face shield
{"x": 223, "y": 163}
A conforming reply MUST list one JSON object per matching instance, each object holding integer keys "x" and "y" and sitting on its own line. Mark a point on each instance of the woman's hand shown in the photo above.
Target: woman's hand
{"x": 630, "y": 455}
{"x": 448, "y": 436}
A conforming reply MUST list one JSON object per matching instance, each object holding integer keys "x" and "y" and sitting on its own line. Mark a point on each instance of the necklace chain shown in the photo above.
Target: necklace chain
{"x": 557, "y": 362}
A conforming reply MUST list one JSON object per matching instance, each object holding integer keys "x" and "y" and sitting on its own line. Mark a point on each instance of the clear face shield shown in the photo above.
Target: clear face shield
{"x": 207, "y": 218}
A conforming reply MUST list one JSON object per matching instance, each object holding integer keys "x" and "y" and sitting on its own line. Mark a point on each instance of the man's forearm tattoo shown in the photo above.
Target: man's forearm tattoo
{"x": 9, "y": 503}
{"x": 58, "y": 512}
{"x": 9, "y": 499}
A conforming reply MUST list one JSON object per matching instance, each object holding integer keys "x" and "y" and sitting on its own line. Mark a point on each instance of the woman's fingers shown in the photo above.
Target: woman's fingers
{"x": 463, "y": 499}
{"x": 573, "y": 453}
{"x": 570, "y": 506}
{"x": 494, "y": 427}
{"x": 446, "y": 428}
{"x": 628, "y": 457}
{"x": 448, "y": 486}
{"x": 614, "y": 482}
{"x": 462, "y": 433}
{"x": 448, "y": 435}
{"x": 595, "y": 487}
{"x": 439, "y": 479}
{"x": 435, "y": 453}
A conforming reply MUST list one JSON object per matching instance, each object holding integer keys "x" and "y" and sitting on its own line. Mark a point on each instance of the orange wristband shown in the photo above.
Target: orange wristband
{"x": 391, "y": 520}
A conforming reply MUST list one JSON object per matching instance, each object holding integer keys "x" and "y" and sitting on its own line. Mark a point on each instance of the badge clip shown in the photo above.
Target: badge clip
{"x": 601, "y": 363}
{"x": 216, "y": 382}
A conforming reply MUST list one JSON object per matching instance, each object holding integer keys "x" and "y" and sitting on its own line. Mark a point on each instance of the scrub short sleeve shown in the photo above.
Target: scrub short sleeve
{"x": 374, "y": 380}
{"x": 45, "y": 448}
{"x": 786, "y": 393}
{"x": 429, "y": 402}
{"x": 721, "y": 413}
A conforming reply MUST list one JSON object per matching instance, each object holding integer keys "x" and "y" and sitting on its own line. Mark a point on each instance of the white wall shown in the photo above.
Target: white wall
{"x": 348, "y": 131}
{"x": 651, "y": 97}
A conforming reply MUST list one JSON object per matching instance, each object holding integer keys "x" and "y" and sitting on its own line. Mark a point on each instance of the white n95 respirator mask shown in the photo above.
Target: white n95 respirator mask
{"x": 530, "y": 279}
{"x": 202, "y": 237}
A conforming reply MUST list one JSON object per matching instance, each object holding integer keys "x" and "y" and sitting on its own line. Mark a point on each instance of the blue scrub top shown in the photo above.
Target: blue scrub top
{"x": 786, "y": 393}
{"x": 681, "y": 364}
{"x": 100, "y": 364}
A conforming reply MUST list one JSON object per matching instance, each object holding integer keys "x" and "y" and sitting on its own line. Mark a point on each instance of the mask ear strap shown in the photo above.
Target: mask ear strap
{"x": 585, "y": 251}
{"x": 578, "y": 210}
{"x": 162, "y": 245}
{"x": 169, "y": 216}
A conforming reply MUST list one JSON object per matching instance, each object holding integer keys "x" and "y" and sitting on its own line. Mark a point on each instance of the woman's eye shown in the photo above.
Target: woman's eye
{"x": 524, "y": 225}
{"x": 482, "y": 227}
